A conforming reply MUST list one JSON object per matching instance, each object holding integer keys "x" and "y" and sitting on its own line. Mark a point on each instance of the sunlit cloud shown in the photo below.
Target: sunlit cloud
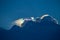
{"x": 44, "y": 16}
{"x": 21, "y": 21}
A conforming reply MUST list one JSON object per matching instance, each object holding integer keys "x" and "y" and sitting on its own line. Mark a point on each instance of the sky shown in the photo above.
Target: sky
{"x": 10, "y": 10}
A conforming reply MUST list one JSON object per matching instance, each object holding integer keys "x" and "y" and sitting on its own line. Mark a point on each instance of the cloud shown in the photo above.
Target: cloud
{"x": 52, "y": 18}
{"x": 44, "y": 16}
{"x": 20, "y": 21}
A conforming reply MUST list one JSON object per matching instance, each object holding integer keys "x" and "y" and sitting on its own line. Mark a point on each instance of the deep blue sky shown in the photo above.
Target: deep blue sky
{"x": 11, "y": 10}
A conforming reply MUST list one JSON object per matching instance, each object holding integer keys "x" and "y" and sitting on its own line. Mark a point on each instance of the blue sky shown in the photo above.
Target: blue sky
{"x": 11, "y": 10}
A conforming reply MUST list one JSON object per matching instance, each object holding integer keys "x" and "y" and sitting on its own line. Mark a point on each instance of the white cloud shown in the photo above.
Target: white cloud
{"x": 44, "y": 16}
{"x": 32, "y": 18}
{"x": 50, "y": 16}
{"x": 19, "y": 22}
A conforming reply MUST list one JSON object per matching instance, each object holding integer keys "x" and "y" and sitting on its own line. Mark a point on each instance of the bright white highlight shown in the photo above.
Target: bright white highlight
{"x": 32, "y": 18}
{"x": 19, "y": 22}
{"x": 44, "y": 16}
{"x": 26, "y": 19}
